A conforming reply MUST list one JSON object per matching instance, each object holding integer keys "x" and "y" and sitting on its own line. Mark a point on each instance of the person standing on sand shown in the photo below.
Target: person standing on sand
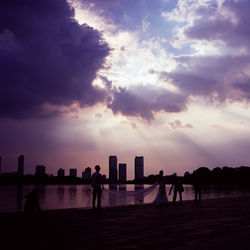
{"x": 97, "y": 186}
{"x": 178, "y": 188}
{"x": 197, "y": 187}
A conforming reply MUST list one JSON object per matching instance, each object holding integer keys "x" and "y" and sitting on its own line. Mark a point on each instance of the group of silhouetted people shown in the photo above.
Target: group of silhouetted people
{"x": 178, "y": 188}
{"x": 32, "y": 201}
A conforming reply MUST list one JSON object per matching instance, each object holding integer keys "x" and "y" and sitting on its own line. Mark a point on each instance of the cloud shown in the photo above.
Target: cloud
{"x": 216, "y": 78}
{"x": 47, "y": 59}
{"x": 224, "y": 74}
{"x": 228, "y": 22}
{"x": 144, "y": 100}
{"x": 126, "y": 15}
{"x": 98, "y": 115}
{"x": 178, "y": 124}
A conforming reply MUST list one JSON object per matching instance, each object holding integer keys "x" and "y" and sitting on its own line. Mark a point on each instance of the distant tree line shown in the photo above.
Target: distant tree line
{"x": 220, "y": 176}
{"x": 224, "y": 175}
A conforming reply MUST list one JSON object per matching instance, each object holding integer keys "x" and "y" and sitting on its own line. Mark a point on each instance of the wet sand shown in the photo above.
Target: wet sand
{"x": 209, "y": 224}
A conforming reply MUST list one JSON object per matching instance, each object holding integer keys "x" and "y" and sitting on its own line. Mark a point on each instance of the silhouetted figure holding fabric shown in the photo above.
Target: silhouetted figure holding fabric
{"x": 97, "y": 185}
{"x": 32, "y": 202}
{"x": 178, "y": 188}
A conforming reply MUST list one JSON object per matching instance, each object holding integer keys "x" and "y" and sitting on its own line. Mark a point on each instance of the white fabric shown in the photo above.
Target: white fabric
{"x": 161, "y": 196}
{"x": 138, "y": 195}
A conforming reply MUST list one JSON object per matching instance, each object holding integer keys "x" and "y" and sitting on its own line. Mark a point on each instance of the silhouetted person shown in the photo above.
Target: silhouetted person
{"x": 161, "y": 197}
{"x": 97, "y": 187}
{"x": 32, "y": 202}
{"x": 197, "y": 187}
{"x": 178, "y": 188}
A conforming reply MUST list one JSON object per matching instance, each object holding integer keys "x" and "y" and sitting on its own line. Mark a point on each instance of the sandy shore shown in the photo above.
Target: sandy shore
{"x": 209, "y": 224}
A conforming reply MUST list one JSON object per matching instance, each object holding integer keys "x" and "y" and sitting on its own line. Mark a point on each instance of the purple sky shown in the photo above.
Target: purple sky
{"x": 166, "y": 79}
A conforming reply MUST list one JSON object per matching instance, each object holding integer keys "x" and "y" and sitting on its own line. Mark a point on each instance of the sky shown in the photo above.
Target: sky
{"x": 84, "y": 79}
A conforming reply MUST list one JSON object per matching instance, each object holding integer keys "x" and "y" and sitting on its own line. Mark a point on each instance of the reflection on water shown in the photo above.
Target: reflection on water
{"x": 111, "y": 198}
{"x": 141, "y": 196}
{"x": 73, "y": 196}
{"x": 60, "y": 195}
{"x": 19, "y": 198}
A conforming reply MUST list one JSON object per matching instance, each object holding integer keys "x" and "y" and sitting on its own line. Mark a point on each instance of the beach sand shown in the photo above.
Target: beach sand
{"x": 209, "y": 224}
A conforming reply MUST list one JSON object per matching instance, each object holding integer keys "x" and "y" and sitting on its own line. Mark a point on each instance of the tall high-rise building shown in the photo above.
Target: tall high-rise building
{"x": 73, "y": 172}
{"x": 40, "y": 170}
{"x": 60, "y": 172}
{"x": 0, "y": 164}
{"x": 113, "y": 169}
{"x": 139, "y": 168}
{"x": 20, "y": 169}
{"x": 122, "y": 172}
{"x": 86, "y": 175}
{"x": 83, "y": 175}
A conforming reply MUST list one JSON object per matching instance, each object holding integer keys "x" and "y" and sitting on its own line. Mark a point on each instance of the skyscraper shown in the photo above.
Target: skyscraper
{"x": 73, "y": 172}
{"x": 60, "y": 172}
{"x": 113, "y": 169}
{"x": 40, "y": 170}
{"x": 86, "y": 175}
{"x": 139, "y": 168}
{"x": 20, "y": 165}
{"x": 122, "y": 172}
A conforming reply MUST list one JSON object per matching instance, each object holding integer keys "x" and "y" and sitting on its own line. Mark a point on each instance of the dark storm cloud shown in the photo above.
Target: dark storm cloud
{"x": 143, "y": 101}
{"x": 46, "y": 57}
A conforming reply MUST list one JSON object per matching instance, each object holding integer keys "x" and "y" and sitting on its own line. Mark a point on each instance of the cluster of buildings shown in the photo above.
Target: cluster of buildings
{"x": 117, "y": 172}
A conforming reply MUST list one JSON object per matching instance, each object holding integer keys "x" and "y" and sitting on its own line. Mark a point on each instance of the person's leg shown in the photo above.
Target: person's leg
{"x": 196, "y": 194}
{"x": 94, "y": 198}
{"x": 99, "y": 198}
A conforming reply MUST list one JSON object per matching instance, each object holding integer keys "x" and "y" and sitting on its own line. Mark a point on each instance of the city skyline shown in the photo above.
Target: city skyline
{"x": 85, "y": 172}
{"x": 165, "y": 79}
{"x": 117, "y": 171}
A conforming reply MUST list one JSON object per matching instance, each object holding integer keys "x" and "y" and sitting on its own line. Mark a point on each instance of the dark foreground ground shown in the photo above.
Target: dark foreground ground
{"x": 209, "y": 224}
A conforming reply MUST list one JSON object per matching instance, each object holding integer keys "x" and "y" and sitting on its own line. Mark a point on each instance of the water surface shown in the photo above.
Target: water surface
{"x": 79, "y": 196}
